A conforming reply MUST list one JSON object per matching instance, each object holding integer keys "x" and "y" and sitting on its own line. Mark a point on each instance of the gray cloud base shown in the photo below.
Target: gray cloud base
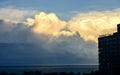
{"x": 18, "y": 46}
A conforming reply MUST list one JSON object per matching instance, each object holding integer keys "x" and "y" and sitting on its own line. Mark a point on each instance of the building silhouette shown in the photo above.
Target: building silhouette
{"x": 109, "y": 53}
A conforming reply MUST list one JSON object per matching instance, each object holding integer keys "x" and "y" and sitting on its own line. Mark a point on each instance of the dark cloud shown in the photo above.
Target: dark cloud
{"x": 33, "y": 54}
{"x": 13, "y": 32}
{"x": 19, "y": 45}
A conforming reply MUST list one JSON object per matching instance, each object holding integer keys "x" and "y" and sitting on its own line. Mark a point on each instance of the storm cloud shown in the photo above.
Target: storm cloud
{"x": 46, "y": 39}
{"x": 20, "y": 45}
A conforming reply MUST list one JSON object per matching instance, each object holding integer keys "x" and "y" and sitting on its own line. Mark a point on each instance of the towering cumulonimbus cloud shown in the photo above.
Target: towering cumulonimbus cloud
{"x": 48, "y": 24}
{"x": 89, "y": 25}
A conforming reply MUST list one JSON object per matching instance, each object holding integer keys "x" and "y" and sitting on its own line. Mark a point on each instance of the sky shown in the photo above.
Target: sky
{"x": 54, "y": 32}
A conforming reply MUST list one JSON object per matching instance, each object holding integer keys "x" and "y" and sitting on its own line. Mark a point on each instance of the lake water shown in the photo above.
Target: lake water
{"x": 50, "y": 68}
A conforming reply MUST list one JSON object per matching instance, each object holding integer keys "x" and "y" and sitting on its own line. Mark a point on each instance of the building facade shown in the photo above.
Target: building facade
{"x": 109, "y": 53}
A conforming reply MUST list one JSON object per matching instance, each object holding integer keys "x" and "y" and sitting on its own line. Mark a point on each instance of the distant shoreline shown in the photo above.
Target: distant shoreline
{"x": 47, "y": 65}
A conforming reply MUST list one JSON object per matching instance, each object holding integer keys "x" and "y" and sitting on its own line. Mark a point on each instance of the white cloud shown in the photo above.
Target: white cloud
{"x": 92, "y": 24}
{"x": 16, "y": 15}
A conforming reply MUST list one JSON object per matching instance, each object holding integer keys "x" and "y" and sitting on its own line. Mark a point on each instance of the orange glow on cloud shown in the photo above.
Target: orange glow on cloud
{"x": 88, "y": 25}
{"x": 48, "y": 24}
{"x": 91, "y": 25}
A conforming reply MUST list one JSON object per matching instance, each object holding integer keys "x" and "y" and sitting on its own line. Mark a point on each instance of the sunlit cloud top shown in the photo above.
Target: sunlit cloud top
{"x": 89, "y": 25}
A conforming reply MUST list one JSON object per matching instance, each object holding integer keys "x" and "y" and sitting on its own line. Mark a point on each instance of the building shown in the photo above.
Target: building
{"x": 109, "y": 53}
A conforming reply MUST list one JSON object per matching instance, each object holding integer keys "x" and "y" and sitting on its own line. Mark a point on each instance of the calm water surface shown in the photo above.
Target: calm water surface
{"x": 50, "y": 68}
